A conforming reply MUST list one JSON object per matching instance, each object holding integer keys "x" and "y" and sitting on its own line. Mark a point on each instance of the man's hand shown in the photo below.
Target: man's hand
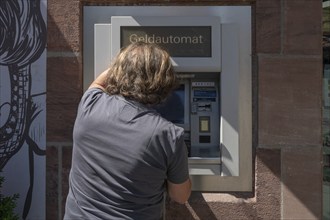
{"x": 100, "y": 81}
{"x": 179, "y": 192}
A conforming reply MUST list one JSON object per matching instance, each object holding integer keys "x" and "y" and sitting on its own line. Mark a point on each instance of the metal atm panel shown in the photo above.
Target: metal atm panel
{"x": 195, "y": 106}
{"x": 205, "y": 118}
{"x": 230, "y": 59}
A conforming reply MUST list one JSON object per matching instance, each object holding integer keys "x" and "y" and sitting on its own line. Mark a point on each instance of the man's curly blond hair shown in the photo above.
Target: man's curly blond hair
{"x": 142, "y": 72}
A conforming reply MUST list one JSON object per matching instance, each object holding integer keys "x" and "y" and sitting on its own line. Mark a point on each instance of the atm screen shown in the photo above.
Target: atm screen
{"x": 173, "y": 108}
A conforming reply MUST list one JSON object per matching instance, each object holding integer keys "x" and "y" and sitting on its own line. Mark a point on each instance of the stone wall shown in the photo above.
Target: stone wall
{"x": 287, "y": 74}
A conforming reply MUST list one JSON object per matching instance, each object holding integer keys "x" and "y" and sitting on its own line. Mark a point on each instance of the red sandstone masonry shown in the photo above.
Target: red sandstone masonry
{"x": 301, "y": 180}
{"x": 265, "y": 205}
{"x": 289, "y": 100}
{"x": 63, "y": 25}
{"x": 52, "y": 182}
{"x": 66, "y": 166}
{"x": 64, "y": 73}
{"x": 302, "y": 27}
{"x": 64, "y": 90}
{"x": 268, "y": 184}
{"x": 268, "y": 26}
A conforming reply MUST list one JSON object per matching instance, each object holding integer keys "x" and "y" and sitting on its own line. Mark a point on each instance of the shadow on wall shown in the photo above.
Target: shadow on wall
{"x": 189, "y": 211}
{"x": 197, "y": 208}
{"x": 289, "y": 180}
{"x": 263, "y": 203}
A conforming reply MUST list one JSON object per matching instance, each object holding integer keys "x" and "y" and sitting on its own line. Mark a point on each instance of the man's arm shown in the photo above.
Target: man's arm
{"x": 179, "y": 192}
{"x": 99, "y": 82}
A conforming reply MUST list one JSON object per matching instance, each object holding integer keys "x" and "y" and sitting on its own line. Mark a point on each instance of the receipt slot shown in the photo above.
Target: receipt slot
{"x": 200, "y": 104}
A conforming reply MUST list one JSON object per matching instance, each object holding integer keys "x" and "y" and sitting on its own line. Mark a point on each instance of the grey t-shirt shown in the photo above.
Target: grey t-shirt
{"x": 123, "y": 153}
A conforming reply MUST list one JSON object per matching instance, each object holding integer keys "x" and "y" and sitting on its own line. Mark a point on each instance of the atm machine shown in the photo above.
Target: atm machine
{"x": 194, "y": 44}
{"x": 195, "y": 106}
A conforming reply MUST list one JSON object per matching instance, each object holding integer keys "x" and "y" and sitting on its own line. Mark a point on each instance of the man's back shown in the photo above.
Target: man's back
{"x": 129, "y": 151}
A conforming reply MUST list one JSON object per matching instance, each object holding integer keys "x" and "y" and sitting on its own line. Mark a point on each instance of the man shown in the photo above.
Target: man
{"x": 125, "y": 155}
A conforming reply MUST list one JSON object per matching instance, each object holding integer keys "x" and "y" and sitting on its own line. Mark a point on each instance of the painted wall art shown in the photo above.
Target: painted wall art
{"x": 23, "y": 35}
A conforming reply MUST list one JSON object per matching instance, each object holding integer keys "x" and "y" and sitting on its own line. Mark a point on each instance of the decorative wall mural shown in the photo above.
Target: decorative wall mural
{"x": 22, "y": 100}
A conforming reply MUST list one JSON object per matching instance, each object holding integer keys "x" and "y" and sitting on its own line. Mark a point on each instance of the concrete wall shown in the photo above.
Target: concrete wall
{"x": 287, "y": 74}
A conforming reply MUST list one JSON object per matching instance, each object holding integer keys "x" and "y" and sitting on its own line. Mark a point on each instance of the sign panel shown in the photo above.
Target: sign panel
{"x": 180, "y": 41}
{"x": 194, "y": 43}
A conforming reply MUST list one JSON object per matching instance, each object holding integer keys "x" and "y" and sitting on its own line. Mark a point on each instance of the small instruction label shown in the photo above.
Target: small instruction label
{"x": 203, "y": 84}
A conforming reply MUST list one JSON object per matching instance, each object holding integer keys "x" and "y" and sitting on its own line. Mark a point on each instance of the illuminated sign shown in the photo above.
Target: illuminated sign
{"x": 180, "y": 41}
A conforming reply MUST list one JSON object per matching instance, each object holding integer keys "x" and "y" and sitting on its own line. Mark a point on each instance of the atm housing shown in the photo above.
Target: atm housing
{"x": 196, "y": 104}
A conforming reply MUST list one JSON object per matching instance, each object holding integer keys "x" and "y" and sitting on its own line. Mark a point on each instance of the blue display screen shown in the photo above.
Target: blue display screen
{"x": 173, "y": 108}
{"x": 205, "y": 93}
